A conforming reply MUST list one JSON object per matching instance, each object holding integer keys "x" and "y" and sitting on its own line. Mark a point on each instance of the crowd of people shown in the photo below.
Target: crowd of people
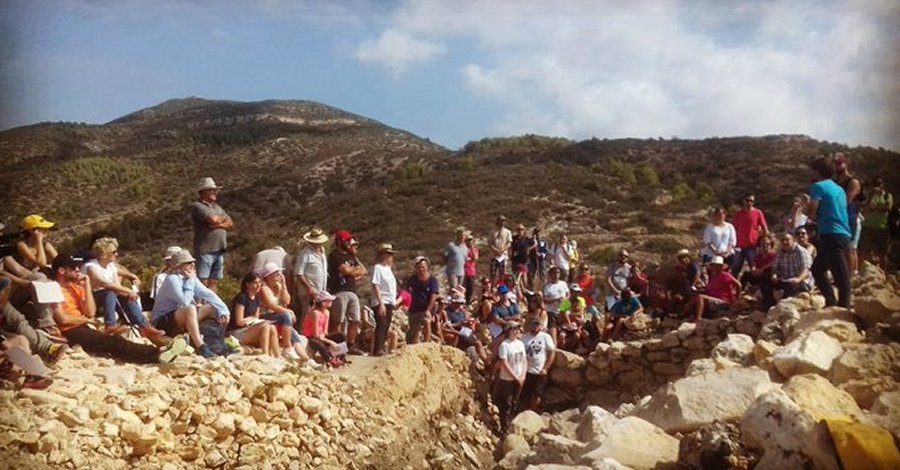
{"x": 538, "y": 295}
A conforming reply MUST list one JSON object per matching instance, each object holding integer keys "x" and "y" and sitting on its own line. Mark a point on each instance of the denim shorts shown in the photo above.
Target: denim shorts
{"x": 211, "y": 265}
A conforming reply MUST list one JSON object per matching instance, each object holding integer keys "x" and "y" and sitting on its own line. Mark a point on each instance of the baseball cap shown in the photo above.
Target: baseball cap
{"x": 419, "y": 259}
{"x": 502, "y": 289}
{"x": 575, "y": 287}
{"x": 343, "y": 236}
{"x": 682, "y": 252}
{"x": 65, "y": 261}
{"x": 324, "y": 296}
{"x": 34, "y": 221}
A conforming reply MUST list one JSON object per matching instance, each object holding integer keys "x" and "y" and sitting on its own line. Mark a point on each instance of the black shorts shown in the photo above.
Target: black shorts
{"x": 534, "y": 386}
{"x": 167, "y": 324}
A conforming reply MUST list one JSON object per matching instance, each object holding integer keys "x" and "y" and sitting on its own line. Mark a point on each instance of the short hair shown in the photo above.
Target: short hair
{"x": 824, "y": 166}
{"x": 105, "y": 245}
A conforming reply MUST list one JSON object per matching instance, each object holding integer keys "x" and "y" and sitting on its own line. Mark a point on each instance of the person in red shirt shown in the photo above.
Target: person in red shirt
{"x": 749, "y": 224}
{"x": 721, "y": 291}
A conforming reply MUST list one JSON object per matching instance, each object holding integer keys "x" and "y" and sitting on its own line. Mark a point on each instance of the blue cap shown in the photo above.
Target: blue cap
{"x": 502, "y": 289}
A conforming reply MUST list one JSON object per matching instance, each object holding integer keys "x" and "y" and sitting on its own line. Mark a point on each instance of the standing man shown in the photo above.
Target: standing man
{"x": 520, "y": 247}
{"x": 344, "y": 272}
{"x": 455, "y": 256}
{"x": 828, "y": 208}
{"x": 211, "y": 225}
{"x": 540, "y": 352}
{"x": 749, "y": 224}
{"x": 617, "y": 274}
{"x": 853, "y": 189}
{"x": 500, "y": 241}
{"x": 310, "y": 271}
{"x": 423, "y": 288}
{"x": 537, "y": 255}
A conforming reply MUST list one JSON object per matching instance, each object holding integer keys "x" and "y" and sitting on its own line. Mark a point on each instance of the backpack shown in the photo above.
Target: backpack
{"x": 214, "y": 336}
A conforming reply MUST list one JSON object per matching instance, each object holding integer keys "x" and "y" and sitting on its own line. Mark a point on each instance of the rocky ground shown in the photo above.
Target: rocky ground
{"x": 756, "y": 401}
{"x": 744, "y": 392}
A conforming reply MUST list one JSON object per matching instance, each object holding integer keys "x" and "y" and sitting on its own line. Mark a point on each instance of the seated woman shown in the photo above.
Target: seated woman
{"x": 722, "y": 290}
{"x": 315, "y": 328}
{"x": 245, "y": 324}
{"x": 571, "y": 319}
{"x": 109, "y": 292}
{"x": 34, "y": 252}
{"x": 626, "y": 307}
{"x": 762, "y": 264}
{"x": 502, "y": 312}
{"x": 436, "y": 319}
{"x": 274, "y": 296}
{"x": 459, "y": 330}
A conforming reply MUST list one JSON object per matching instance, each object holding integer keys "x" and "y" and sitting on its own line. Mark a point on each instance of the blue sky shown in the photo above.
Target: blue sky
{"x": 455, "y": 71}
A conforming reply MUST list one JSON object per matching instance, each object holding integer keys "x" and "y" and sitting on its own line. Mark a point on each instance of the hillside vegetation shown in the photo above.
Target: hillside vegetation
{"x": 289, "y": 165}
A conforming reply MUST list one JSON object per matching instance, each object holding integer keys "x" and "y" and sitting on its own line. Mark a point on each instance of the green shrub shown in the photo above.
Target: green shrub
{"x": 646, "y": 175}
{"x": 603, "y": 255}
{"x": 662, "y": 245}
{"x": 682, "y": 192}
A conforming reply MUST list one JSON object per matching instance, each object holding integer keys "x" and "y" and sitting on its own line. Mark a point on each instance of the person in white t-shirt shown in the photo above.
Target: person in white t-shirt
{"x": 555, "y": 291}
{"x": 561, "y": 256}
{"x": 719, "y": 238}
{"x": 540, "y": 351}
{"x": 499, "y": 241}
{"x": 511, "y": 366}
{"x": 384, "y": 295}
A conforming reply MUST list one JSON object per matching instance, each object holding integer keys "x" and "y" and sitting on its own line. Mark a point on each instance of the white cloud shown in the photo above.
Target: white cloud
{"x": 397, "y": 51}
{"x": 661, "y": 68}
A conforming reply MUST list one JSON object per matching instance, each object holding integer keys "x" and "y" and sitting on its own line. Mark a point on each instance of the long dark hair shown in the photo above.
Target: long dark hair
{"x": 248, "y": 279}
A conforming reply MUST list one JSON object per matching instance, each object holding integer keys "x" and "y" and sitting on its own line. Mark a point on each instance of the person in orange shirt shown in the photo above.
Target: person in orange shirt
{"x": 74, "y": 314}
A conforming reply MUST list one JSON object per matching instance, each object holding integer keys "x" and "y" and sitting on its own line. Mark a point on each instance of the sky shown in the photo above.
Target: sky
{"x": 455, "y": 71}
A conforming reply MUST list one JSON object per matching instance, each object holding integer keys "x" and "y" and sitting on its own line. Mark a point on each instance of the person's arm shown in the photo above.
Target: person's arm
{"x": 64, "y": 320}
{"x": 380, "y": 309}
{"x": 39, "y": 258}
{"x": 764, "y": 227}
{"x": 100, "y": 283}
{"x": 732, "y": 239}
{"x": 551, "y": 355}
{"x": 125, "y": 273}
{"x": 203, "y": 293}
{"x": 812, "y": 205}
{"x": 352, "y": 271}
{"x": 853, "y": 190}
{"x": 88, "y": 304}
{"x": 270, "y": 302}
{"x": 239, "y": 315}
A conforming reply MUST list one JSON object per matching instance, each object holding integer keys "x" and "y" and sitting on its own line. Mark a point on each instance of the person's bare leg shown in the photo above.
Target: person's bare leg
{"x": 300, "y": 349}
{"x": 186, "y": 319}
{"x": 274, "y": 349}
{"x": 427, "y": 329}
{"x": 212, "y": 284}
{"x": 352, "y": 333}
{"x": 284, "y": 333}
{"x": 701, "y": 304}
{"x": 257, "y": 337}
{"x": 392, "y": 340}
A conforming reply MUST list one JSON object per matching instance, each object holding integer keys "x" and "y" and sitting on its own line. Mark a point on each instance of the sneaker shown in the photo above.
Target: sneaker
{"x": 204, "y": 351}
{"x": 290, "y": 354}
{"x": 232, "y": 343}
{"x": 174, "y": 350}
{"x": 55, "y": 338}
{"x": 55, "y": 352}
{"x": 312, "y": 364}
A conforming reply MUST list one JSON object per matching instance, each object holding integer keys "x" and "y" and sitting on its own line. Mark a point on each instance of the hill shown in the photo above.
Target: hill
{"x": 289, "y": 165}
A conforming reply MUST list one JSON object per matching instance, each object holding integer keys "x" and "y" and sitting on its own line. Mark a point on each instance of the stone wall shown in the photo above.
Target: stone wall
{"x": 623, "y": 370}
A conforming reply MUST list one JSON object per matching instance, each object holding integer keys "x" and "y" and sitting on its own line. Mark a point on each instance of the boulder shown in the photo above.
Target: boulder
{"x": 717, "y": 445}
{"x": 813, "y": 352}
{"x": 787, "y": 436}
{"x": 737, "y": 348}
{"x": 635, "y": 443}
{"x": 818, "y": 397}
{"x": 885, "y": 412}
{"x": 700, "y": 366}
{"x": 876, "y": 306}
{"x": 564, "y": 423}
{"x": 867, "y": 370}
{"x": 841, "y": 330}
{"x": 514, "y": 442}
{"x": 551, "y": 448}
{"x": 527, "y": 424}
{"x": 568, "y": 370}
{"x": 692, "y": 402}
{"x": 763, "y": 351}
{"x": 594, "y": 423}
{"x": 556, "y": 466}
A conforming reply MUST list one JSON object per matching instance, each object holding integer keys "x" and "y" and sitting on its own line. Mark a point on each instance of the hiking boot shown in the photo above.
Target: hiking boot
{"x": 204, "y": 351}
{"x": 148, "y": 331}
{"x": 36, "y": 383}
{"x": 177, "y": 348}
{"x": 115, "y": 329}
{"x": 55, "y": 352}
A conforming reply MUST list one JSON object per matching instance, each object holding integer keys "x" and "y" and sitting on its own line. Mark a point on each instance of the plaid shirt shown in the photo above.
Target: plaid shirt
{"x": 791, "y": 263}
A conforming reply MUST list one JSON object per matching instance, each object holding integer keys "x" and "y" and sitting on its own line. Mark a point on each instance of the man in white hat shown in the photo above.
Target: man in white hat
{"x": 211, "y": 225}
{"x": 310, "y": 271}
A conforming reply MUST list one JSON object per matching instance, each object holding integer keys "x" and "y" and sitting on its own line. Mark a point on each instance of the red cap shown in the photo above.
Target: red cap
{"x": 343, "y": 236}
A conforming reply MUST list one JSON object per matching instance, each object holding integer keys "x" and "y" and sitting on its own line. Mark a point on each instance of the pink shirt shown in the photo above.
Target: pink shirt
{"x": 746, "y": 225}
{"x": 469, "y": 266}
{"x": 317, "y": 329}
{"x": 721, "y": 286}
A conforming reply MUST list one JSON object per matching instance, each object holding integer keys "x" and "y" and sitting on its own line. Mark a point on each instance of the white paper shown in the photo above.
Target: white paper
{"x": 48, "y": 292}
{"x": 27, "y": 362}
{"x": 465, "y": 332}
{"x": 340, "y": 349}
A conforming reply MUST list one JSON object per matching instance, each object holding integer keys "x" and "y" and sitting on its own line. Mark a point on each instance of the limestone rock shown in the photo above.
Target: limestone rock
{"x": 564, "y": 423}
{"x": 867, "y": 360}
{"x": 700, "y": 366}
{"x": 527, "y": 424}
{"x": 877, "y": 306}
{"x": 514, "y": 442}
{"x": 736, "y": 348}
{"x": 46, "y": 397}
{"x": 841, "y": 330}
{"x": 815, "y": 395}
{"x": 551, "y": 448}
{"x": 814, "y": 353}
{"x": 311, "y": 405}
{"x": 637, "y": 444}
{"x": 556, "y": 466}
{"x": 568, "y": 370}
{"x": 122, "y": 376}
{"x": 594, "y": 423}
{"x": 886, "y": 412}
{"x": 692, "y": 402}
{"x": 717, "y": 445}
{"x": 143, "y": 438}
{"x": 763, "y": 350}
{"x": 787, "y": 436}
